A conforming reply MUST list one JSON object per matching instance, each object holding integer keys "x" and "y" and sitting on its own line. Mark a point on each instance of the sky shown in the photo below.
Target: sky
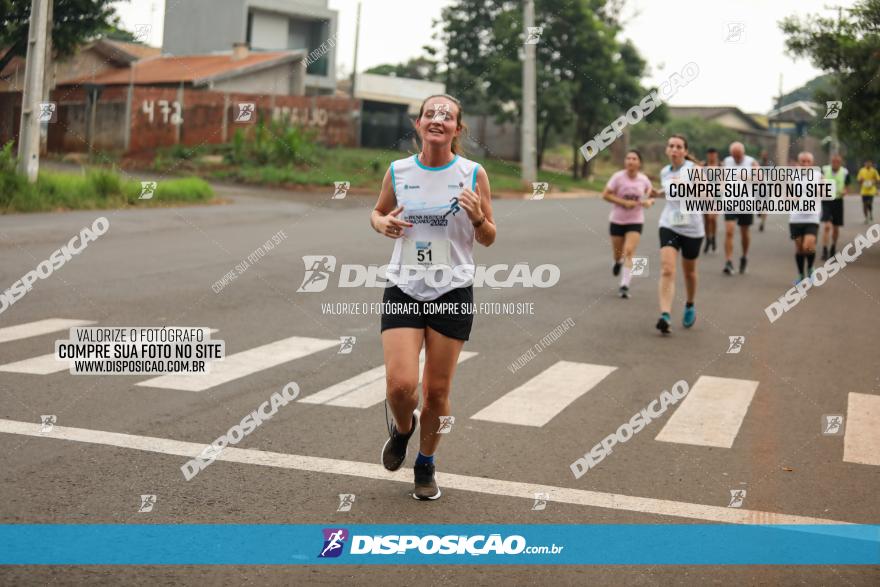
{"x": 737, "y": 70}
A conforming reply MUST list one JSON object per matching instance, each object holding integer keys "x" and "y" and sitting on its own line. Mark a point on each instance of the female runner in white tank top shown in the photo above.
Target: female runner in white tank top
{"x": 434, "y": 205}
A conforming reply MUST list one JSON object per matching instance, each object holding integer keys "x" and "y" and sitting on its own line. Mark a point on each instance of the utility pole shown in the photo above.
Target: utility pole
{"x": 835, "y": 145}
{"x": 34, "y": 75}
{"x": 357, "y": 36}
{"x": 49, "y": 77}
{"x": 528, "y": 150}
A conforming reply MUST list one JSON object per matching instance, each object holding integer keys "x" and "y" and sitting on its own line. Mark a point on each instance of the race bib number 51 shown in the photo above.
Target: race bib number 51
{"x": 426, "y": 253}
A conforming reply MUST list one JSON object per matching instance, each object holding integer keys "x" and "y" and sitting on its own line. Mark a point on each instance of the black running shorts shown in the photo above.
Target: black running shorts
{"x": 741, "y": 219}
{"x": 451, "y": 314}
{"x": 622, "y": 229}
{"x": 799, "y": 229}
{"x": 688, "y": 245}
{"x": 832, "y": 211}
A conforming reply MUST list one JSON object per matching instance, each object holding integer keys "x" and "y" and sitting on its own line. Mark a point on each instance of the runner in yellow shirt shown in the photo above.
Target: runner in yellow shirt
{"x": 868, "y": 179}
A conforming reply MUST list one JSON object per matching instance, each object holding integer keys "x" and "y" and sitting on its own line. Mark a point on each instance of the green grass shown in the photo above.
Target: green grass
{"x": 98, "y": 189}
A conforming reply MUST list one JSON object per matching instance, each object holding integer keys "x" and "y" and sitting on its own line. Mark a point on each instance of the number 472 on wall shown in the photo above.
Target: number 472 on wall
{"x": 171, "y": 111}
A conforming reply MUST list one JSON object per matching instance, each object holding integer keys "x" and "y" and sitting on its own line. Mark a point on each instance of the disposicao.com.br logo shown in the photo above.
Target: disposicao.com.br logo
{"x": 320, "y": 268}
{"x": 450, "y": 544}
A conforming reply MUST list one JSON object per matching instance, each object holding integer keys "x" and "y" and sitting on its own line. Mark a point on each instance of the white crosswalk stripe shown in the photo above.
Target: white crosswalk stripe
{"x": 42, "y": 365}
{"x": 245, "y": 363}
{"x": 542, "y": 397}
{"x": 39, "y": 328}
{"x": 861, "y": 440}
{"x": 711, "y": 414}
{"x": 365, "y": 389}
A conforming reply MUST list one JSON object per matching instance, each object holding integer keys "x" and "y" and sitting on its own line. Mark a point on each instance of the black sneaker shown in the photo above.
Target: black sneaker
{"x": 624, "y": 291}
{"x": 742, "y": 264}
{"x": 663, "y": 325}
{"x": 832, "y": 251}
{"x": 394, "y": 451}
{"x": 824, "y": 253}
{"x": 616, "y": 269}
{"x": 728, "y": 268}
{"x": 426, "y": 487}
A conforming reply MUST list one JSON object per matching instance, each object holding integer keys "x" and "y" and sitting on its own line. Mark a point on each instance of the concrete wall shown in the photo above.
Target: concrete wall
{"x": 269, "y": 31}
{"x": 486, "y": 138}
{"x": 281, "y": 80}
{"x": 203, "y": 26}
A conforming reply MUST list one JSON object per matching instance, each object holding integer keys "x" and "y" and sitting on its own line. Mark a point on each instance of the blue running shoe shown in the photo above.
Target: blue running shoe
{"x": 690, "y": 316}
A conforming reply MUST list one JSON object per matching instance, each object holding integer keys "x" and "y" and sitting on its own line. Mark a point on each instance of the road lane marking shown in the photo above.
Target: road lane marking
{"x": 498, "y": 487}
{"x": 42, "y": 365}
{"x": 861, "y": 439}
{"x": 245, "y": 363}
{"x": 39, "y": 328}
{"x": 541, "y": 398}
{"x": 365, "y": 389}
{"x": 711, "y": 413}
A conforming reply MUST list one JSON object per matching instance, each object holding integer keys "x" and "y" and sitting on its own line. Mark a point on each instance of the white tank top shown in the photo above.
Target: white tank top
{"x": 435, "y": 255}
{"x": 690, "y": 225}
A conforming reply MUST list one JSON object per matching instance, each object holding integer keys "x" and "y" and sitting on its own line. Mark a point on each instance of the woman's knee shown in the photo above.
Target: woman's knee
{"x": 436, "y": 392}
{"x": 401, "y": 386}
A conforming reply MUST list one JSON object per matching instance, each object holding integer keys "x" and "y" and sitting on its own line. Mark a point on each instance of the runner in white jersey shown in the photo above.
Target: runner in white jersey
{"x": 803, "y": 228}
{"x": 434, "y": 204}
{"x": 678, "y": 231}
{"x": 737, "y": 159}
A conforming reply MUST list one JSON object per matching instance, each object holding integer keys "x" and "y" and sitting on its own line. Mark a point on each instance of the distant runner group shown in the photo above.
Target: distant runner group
{"x": 630, "y": 192}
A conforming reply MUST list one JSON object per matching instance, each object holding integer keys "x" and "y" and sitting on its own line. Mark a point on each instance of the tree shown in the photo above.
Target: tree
{"x": 808, "y": 91}
{"x": 586, "y": 77}
{"x": 848, "y": 46}
{"x": 423, "y": 68}
{"x": 74, "y": 21}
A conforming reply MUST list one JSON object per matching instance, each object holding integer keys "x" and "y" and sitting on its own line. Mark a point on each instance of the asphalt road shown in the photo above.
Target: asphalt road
{"x": 157, "y": 267}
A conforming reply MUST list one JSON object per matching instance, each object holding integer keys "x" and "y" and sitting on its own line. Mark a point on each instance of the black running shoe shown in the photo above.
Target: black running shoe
{"x": 832, "y": 251}
{"x": 728, "y": 268}
{"x": 425, "y": 487}
{"x": 742, "y": 264}
{"x": 624, "y": 291}
{"x": 616, "y": 269}
{"x": 394, "y": 451}
{"x": 663, "y": 325}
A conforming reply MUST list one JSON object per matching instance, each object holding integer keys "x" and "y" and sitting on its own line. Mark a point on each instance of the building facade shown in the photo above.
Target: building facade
{"x": 205, "y": 26}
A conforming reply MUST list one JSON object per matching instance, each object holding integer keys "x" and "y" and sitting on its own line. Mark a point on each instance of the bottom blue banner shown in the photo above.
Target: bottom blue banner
{"x": 541, "y": 544}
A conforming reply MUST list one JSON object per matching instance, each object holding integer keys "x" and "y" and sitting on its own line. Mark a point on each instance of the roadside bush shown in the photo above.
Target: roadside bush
{"x": 277, "y": 143}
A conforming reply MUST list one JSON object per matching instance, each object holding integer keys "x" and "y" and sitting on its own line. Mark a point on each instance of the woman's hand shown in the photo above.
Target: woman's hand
{"x": 629, "y": 204}
{"x": 470, "y": 201}
{"x": 392, "y": 226}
